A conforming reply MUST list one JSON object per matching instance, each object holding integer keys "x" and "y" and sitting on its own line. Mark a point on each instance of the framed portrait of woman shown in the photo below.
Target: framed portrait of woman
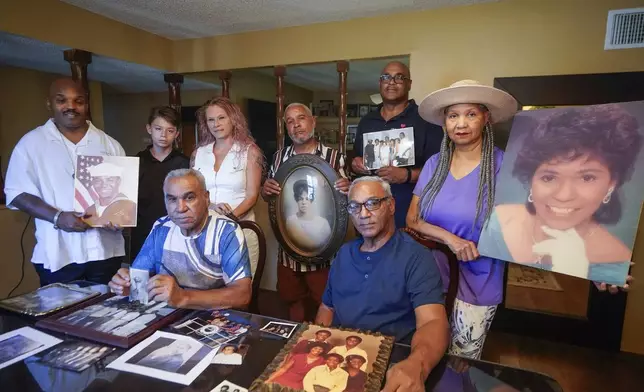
{"x": 569, "y": 191}
{"x": 309, "y": 217}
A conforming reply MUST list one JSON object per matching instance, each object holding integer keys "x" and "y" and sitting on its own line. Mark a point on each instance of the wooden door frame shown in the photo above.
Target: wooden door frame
{"x": 605, "y": 317}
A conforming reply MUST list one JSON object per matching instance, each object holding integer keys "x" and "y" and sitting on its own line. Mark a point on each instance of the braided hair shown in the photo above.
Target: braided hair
{"x": 486, "y": 176}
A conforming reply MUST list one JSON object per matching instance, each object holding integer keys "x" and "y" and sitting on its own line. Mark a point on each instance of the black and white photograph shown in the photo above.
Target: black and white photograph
{"x": 23, "y": 343}
{"x": 139, "y": 285}
{"x": 75, "y": 355}
{"x": 106, "y": 189}
{"x": 227, "y": 386}
{"x": 352, "y": 130}
{"x": 284, "y": 330}
{"x": 308, "y": 209}
{"x": 394, "y": 147}
{"x": 47, "y": 299}
{"x": 117, "y": 316}
{"x": 231, "y": 354}
{"x": 212, "y": 328}
{"x": 167, "y": 356}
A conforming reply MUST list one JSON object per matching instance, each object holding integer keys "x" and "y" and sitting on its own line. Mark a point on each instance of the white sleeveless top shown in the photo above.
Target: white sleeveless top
{"x": 228, "y": 185}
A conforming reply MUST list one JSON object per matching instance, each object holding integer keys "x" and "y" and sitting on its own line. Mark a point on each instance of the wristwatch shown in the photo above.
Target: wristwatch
{"x": 408, "y": 175}
{"x": 55, "y": 220}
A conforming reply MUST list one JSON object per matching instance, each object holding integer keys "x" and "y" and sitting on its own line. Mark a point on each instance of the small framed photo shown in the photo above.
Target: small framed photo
{"x": 231, "y": 354}
{"x": 394, "y": 147}
{"x": 106, "y": 189}
{"x": 352, "y": 110}
{"x": 363, "y": 110}
{"x": 284, "y": 330}
{"x": 47, "y": 299}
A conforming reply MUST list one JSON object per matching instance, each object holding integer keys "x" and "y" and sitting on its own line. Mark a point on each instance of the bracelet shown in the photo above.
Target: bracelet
{"x": 408, "y": 175}
{"x": 55, "y": 220}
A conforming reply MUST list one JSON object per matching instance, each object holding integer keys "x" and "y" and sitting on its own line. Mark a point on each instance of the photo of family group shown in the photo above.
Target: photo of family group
{"x": 570, "y": 191}
{"x": 322, "y": 360}
{"x": 166, "y": 356}
{"x": 212, "y": 328}
{"x": 47, "y": 299}
{"x": 75, "y": 355}
{"x": 284, "y": 330}
{"x": 117, "y": 316}
{"x": 394, "y": 147}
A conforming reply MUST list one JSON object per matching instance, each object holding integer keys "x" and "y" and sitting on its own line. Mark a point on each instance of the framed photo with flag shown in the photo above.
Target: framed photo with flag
{"x": 106, "y": 189}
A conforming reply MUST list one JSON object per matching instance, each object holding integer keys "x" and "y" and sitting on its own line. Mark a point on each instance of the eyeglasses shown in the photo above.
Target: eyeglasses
{"x": 397, "y": 78}
{"x": 372, "y": 204}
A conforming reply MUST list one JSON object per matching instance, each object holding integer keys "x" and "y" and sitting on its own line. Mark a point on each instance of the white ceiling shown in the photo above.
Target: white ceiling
{"x": 22, "y": 52}
{"x": 180, "y": 19}
{"x": 362, "y": 76}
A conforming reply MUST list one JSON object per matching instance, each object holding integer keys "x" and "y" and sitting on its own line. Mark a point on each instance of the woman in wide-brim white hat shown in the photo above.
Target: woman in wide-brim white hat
{"x": 454, "y": 196}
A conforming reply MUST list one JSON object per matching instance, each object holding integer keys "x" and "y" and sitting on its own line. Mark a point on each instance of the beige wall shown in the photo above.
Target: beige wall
{"x": 22, "y": 109}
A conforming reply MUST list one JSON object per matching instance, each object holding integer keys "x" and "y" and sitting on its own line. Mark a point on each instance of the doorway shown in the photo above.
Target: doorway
{"x": 553, "y": 306}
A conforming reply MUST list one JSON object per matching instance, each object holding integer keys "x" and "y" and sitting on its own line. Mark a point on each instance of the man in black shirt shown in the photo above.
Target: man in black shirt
{"x": 398, "y": 111}
{"x": 156, "y": 162}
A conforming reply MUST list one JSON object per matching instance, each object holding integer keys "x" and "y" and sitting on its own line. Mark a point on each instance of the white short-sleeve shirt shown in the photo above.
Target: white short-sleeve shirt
{"x": 42, "y": 164}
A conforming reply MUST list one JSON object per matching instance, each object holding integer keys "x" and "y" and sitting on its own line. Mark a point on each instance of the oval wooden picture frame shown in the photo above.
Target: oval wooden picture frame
{"x": 278, "y": 220}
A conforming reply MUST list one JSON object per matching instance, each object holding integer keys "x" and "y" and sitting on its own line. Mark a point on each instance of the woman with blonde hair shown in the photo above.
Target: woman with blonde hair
{"x": 230, "y": 161}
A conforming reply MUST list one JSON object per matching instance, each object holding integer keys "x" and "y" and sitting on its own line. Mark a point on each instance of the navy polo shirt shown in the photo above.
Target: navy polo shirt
{"x": 378, "y": 291}
{"x": 427, "y": 142}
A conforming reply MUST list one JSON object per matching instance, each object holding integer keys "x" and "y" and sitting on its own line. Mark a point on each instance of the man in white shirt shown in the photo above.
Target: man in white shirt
{"x": 351, "y": 348}
{"x": 40, "y": 182}
{"x": 328, "y": 377}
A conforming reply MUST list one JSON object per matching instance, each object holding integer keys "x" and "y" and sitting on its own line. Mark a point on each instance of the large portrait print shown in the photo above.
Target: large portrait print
{"x": 309, "y": 216}
{"x": 569, "y": 192}
{"x": 106, "y": 189}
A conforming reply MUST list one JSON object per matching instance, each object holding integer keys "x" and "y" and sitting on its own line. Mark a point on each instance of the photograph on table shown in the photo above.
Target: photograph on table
{"x": 227, "y": 386}
{"x": 47, "y": 299}
{"x": 569, "y": 192}
{"x": 106, "y": 189}
{"x": 394, "y": 147}
{"x": 166, "y": 356}
{"x": 231, "y": 354}
{"x": 320, "y": 358}
{"x": 212, "y": 328}
{"x": 75, "y": 355}
{"x": 119, "y": 321}
{"x": 309, "y": 216}
{"x": 284, "y": 330}
{"x": 23, "y": 343}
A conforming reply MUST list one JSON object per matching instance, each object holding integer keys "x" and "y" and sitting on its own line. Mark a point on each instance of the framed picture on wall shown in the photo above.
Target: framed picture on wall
{"x": 309, "y": 217}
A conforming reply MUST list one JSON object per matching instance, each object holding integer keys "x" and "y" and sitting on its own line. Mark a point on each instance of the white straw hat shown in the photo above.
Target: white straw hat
{"x": 501, "y": 105}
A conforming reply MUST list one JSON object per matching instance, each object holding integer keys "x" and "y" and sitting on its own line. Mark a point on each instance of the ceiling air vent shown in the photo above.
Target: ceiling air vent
{"x": 625, "y": 29}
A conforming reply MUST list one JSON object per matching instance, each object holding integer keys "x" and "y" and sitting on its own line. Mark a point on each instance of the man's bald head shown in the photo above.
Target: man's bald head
{"x": 68, "y": 102}
{"x": 398, "y": 67}
{"x": 396, "y": 89}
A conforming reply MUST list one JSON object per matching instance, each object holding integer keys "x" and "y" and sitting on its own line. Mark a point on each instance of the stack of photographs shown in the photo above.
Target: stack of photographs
{"x": 75, "y": 355}
{"x": 211, "y": 328}
{"x": 23, "y": 343}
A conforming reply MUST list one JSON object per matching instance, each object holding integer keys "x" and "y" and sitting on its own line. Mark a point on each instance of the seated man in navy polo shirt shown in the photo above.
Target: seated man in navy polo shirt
{"x": 389, "y": 283}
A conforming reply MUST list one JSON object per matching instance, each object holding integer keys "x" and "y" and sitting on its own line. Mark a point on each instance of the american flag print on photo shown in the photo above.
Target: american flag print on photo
{"x": 106, "y": 190}
{"x": 84, "y": 194}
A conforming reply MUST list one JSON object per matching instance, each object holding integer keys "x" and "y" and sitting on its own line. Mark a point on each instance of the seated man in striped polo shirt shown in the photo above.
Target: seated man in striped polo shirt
{"x": 199, "y": 258}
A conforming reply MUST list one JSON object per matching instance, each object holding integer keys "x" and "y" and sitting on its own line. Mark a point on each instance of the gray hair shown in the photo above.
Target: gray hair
{"x": 486, "y": 186}
{"x": 177, "y": 173}
{"x": 384, "y": 184}
{"x": 295, "y": 104}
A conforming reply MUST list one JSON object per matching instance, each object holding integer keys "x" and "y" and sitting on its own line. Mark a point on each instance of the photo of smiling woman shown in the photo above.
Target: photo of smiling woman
{"x": 570, "y": 191}
{"x": 305, "y": 226}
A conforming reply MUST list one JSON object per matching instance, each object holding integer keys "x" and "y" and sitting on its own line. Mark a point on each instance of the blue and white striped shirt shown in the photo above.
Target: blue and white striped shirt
{"x": 211, "y": 259}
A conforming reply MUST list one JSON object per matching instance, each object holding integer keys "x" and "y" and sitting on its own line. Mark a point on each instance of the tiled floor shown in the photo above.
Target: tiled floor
{"x": 577, "y": 369}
